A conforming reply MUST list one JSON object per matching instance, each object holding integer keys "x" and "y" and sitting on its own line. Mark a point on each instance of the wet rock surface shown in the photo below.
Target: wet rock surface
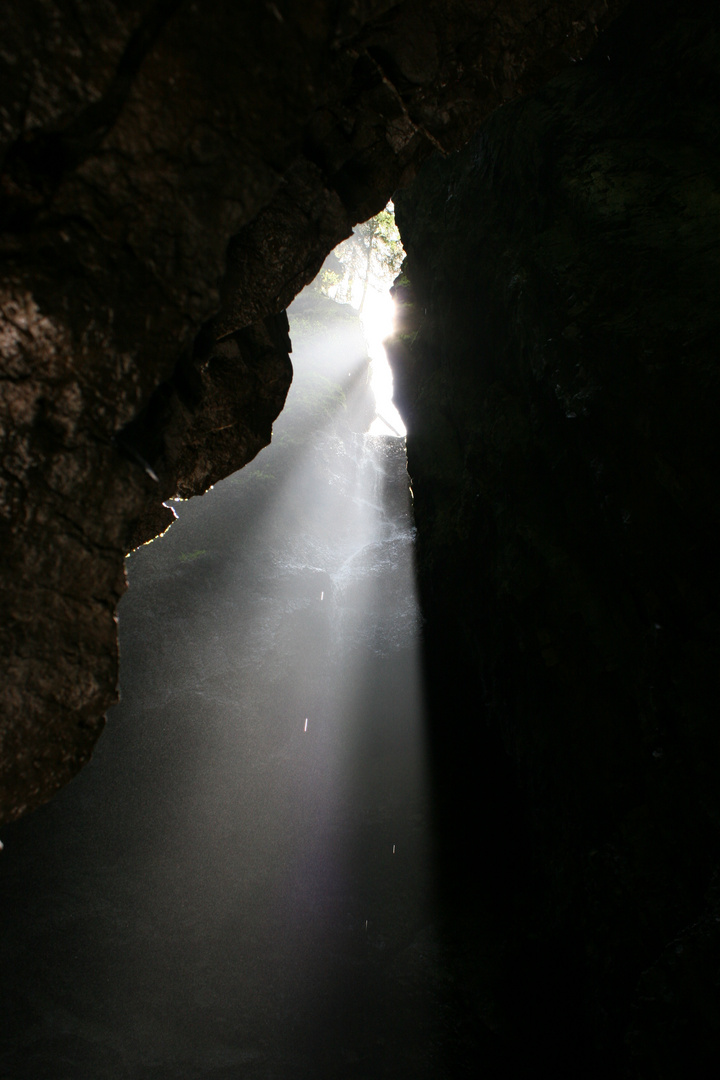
{"x": 171, "y": 175}
{"x": 240, "y": 882}
{"x": 557, "y": 370}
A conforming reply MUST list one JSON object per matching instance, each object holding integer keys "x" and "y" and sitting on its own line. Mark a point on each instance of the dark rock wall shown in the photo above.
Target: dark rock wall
{"x": 557, "y": 368}
{"x": 171, "y": 175}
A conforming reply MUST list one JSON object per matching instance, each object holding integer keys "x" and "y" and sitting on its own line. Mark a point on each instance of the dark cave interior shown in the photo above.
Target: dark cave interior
{"x": 172, "y": 176}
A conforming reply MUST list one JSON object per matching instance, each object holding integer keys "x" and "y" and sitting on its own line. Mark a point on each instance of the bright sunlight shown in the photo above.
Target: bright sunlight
{"x": 360, "y": 272}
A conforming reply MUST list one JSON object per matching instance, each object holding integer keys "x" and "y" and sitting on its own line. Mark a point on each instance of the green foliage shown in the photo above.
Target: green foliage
{"x": 329, "y": 278}
{"x": 370, "y": 258}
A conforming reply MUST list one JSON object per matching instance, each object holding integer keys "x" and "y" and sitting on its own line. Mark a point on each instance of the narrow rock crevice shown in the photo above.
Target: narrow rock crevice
{"x": 137, "y": 141}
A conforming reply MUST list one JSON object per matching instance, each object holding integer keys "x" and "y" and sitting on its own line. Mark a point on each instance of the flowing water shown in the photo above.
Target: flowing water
{"x": 239, "y": 884}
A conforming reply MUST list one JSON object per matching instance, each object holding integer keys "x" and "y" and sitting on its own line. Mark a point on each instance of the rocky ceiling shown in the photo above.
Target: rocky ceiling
{"x": 172, "y": 174}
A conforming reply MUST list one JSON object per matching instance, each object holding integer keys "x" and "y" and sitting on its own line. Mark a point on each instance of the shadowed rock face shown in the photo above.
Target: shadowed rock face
{"x": 172, "y": 174}
{"x": 557, "y": 372}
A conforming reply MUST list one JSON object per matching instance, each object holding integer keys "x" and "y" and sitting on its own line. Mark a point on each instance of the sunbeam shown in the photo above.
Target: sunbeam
{"x": 251, "y": 845}
{"x": 378, "y": 320}
{"x": 305, "y": 804}
{"x": 360, "y": 273}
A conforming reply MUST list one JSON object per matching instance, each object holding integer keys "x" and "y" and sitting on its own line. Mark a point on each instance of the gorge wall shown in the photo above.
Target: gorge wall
{"x": 171, "y": 175}
{"x": 556, "y": 366}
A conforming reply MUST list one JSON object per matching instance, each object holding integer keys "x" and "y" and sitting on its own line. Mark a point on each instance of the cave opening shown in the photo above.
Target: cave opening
{"x": 242, "y": 877}
{"x": 360, "y": 272}
{"x": 221, "y": 892}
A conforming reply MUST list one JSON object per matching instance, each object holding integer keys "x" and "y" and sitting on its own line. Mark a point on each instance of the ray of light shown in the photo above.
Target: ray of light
{"x": 378, "y": 318}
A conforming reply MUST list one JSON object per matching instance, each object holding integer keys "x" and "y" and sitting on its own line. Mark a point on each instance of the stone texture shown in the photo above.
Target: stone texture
{"x": 557, "y": 370}
{"x": 172, "y": 174}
